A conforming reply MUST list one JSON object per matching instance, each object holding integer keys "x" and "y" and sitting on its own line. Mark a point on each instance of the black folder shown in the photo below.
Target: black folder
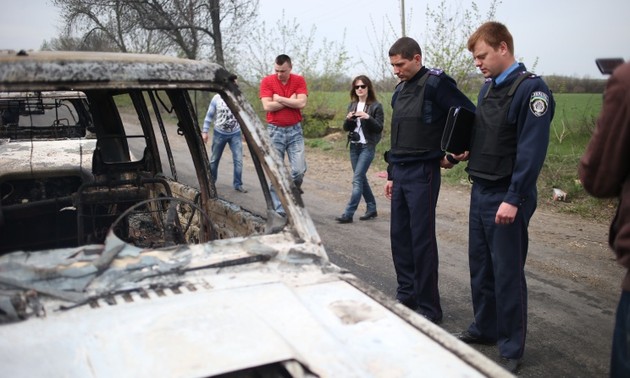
{"x": 458, "y": 130}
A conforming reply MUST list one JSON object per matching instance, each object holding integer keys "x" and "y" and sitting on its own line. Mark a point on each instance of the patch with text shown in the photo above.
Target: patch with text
{"x": 539, "y": 103}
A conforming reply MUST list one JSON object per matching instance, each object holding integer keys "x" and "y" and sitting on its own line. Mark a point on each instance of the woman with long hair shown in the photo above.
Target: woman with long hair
{"x": 364, "y": 124}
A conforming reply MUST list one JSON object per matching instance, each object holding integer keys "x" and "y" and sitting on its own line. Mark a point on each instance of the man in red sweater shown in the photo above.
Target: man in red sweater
{"x": 283, "y": 96}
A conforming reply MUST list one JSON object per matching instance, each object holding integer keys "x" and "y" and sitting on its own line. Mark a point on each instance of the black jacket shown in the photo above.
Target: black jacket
{"x": 372, "y": 127}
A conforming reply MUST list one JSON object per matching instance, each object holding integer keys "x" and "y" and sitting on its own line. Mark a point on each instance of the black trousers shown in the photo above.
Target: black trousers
{"x": 497, "y": 255}
{"x": 415, "y": 193}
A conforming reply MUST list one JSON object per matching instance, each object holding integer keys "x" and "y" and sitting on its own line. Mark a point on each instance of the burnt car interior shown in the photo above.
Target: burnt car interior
{"x": 132, "y": 188}
{"x": 47, "y": 115}
{"x": 33, "y": 205}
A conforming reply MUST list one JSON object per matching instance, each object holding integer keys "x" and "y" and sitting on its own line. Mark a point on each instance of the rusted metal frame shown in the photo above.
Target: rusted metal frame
{"x": 160, "y": 121}
{"x": 187, "y": 122}
{"x": 260, "y": 172}
{"x": 149, "y": 135}
{"x": 109, "y": 125}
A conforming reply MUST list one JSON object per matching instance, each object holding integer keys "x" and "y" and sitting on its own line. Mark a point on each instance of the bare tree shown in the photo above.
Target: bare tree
{"x": 180, "y": 21}
{"x": 320, "y": 61}
{"x": 444, "y": 43}
{"x": 215, "y": 17}
{"x": 92, "y": 42}
{"x": 447, "y": 32}
{"x": 376, "y": 63}
{"x": 107, "y": 20}
{"x": 193, "y": 25}
{"x": 192, "y": 28}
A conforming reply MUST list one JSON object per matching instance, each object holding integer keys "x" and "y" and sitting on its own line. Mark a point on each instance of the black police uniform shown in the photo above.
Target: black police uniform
{"x": 420, "y": 106}
{"x": 508, "y": 148}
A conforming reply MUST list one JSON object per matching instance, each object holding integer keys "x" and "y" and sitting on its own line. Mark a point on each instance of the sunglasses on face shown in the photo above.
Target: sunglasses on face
{"x": 360, "y": 86}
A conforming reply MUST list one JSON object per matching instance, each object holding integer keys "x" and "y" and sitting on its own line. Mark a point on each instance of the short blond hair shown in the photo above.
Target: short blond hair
{"x": 493, "y": 33}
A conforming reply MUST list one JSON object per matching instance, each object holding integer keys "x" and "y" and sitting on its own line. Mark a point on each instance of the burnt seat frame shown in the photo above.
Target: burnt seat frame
{"x": 117, "y": 187}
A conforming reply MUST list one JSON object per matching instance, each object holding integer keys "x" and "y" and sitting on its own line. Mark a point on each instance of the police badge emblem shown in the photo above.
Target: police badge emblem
{"x": 538, "y": 103}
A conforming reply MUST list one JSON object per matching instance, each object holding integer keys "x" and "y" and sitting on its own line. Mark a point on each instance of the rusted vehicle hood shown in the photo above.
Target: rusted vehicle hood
{"x": 212, "y": 310}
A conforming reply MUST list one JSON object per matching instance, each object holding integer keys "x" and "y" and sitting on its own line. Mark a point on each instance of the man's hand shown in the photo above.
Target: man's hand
{"x": 270, "y": 105}
{"x": 280, "y": 99}
{"x": 277, "y": 98}
{"x": 449, "y": 160}
{"x": 294, "y": 101}
{"x": 506, "y": 213}
{"x": 445, "y": 163}
{"x": 205, "y": 137}
{"x": 461, "y": 157}
{"x": 388, "y": 189}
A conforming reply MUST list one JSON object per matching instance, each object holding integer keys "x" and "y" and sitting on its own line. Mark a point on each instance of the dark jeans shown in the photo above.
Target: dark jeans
{"x": 361, "y": 156}
{"x": 620, "y": 358}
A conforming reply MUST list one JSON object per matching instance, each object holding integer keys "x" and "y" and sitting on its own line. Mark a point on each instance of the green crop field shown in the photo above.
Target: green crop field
{"x": 571, "y": 130}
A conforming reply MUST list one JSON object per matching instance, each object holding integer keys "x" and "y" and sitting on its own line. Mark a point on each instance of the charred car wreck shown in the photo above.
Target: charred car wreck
{"x": 113, "y": 262}
{"x": 46, "y": 144}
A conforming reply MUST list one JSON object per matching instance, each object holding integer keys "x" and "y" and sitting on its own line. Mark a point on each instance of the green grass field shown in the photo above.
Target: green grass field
{"x": 571, "y": 130}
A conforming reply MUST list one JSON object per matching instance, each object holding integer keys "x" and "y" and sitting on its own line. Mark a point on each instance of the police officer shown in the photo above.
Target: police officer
{"x": 420, "y": 105}
{"x": 508, "y": 148}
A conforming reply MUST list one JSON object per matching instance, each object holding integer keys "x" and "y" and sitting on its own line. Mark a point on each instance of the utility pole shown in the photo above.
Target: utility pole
{"x": 402, "y": 18}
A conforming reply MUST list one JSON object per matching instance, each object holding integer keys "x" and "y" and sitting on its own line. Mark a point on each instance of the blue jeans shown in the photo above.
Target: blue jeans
{"x": 219, "y": 141}
{"x": 289, "y": 140}
{"x": 361, "y": 156}
{"x": 620, "y": 358}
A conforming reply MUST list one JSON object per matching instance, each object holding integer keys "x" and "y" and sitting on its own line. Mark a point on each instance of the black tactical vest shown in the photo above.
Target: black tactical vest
{"x": 410, "y": 135}
{"x": 493, "y": 144}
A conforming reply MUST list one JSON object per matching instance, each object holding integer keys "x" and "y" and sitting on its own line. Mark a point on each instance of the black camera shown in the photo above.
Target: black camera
{"x": 354, "y": 136}
{"x": 608, "y": 65}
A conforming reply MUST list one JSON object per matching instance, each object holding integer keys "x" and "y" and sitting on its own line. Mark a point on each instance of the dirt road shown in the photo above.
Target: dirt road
{"x": 573, "y": 280}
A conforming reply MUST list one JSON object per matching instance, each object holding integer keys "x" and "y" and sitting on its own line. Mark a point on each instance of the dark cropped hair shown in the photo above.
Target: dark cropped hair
{"x": 371, "y": 97}
{"x": 492, "y": 33}
{"x": 406, "y": 47}
{"x": 282, "y": 59}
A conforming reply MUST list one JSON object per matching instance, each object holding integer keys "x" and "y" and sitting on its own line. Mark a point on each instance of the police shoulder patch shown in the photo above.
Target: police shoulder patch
{"x": 539, "y": 103}
{"x": 436, "y": 71}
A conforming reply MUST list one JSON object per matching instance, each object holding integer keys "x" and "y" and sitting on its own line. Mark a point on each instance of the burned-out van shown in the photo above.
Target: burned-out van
{"x": 126, "y": 261}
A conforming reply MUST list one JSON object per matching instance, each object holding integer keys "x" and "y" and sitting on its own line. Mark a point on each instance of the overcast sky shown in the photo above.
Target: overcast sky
{"x": 564, "y": 35}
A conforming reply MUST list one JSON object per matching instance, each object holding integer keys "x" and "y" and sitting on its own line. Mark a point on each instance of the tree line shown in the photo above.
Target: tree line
{"x": 230, "y": 33}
